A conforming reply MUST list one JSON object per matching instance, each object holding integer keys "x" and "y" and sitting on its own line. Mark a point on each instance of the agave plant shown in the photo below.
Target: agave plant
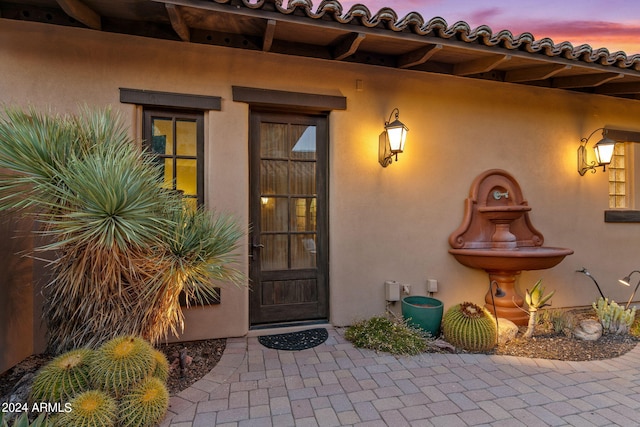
{"x": 535, "y": 299}
{"x": 125, "y": 245}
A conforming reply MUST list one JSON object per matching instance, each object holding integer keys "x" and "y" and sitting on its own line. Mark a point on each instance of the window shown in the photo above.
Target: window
{"x": 177, "y": 139}
{"x": 618, "y": 178}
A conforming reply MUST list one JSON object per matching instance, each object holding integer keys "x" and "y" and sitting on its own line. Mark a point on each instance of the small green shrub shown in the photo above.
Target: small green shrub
{"x": 382, "y": 334}
{"x": 63, "y": 377}
{"x": 470, "y": 327}
{"x": 562, "y": 321}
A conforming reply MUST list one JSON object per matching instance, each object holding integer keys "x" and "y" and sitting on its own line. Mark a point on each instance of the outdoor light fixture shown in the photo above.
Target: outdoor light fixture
{"x": 391, "y": 141}
{"x": 603, "y": 150}
{"x": 586, "y": 273}
{"x": 627, "y": 282}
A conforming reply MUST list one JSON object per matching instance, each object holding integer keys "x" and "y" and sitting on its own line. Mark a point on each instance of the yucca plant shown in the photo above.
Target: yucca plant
{"x": 125, "y": 246}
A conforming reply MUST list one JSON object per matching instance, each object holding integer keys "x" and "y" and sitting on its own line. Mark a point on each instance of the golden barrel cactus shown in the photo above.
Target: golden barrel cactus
{"x": 470, "y": 327}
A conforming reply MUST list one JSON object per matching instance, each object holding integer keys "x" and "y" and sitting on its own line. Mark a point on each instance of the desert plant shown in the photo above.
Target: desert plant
{"x": 161, "y": 367}
{"x": 562, "y": 321}
{"x": 121, "y": 363}
{"x": 92, "y": 408}
{"x": 125, "y": 246}
{"x": 613, "y": 317}
{"x": 23, "y": 421}
{"x": 145, "y": 405}
{"x": 382, "y": 334}
{"x": 535, "y": 299}
{"x": 63, "y": 377}
{"x": 470, "y": 327}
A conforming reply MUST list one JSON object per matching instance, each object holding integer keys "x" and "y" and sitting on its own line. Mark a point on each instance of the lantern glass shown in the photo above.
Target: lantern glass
{"x": 604, "y": 151}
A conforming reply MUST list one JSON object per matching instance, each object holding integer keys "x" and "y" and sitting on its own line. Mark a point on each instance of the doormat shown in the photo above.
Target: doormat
{"x": 294, "y": 341}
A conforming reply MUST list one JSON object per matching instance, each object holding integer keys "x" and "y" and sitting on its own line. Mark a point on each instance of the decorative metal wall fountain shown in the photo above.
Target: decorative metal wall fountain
{"x": 497, "y": 236}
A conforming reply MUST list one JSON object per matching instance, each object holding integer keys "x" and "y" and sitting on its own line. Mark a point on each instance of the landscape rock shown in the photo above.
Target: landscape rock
{"x": 588, "y": 330}
{"x": 507, "y": 330}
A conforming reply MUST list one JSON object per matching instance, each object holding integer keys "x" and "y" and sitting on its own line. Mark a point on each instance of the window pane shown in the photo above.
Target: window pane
{"x": 275, "y": 253}
{"x": 273, "y": 140}
{"x": 187, "y": 176}
{"x": 303, "y": 251}
{"x": 303, "y": 139}
{"x": 168, "y": 173}
{"x": 273, "y": 212}
{"x": 303, "y": 214}
{"x": 186, "y": 138}
{"x": 162, "y": 138}
{"x": 303, "y": 178}
{"x": 273, "y": 177}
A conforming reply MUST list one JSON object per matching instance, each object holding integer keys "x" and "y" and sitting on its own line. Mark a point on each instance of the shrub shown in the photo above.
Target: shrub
{"x": 382, "y": 334}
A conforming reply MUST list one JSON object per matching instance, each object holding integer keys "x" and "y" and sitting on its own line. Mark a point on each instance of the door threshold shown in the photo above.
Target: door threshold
{"x": 283, "y": 328}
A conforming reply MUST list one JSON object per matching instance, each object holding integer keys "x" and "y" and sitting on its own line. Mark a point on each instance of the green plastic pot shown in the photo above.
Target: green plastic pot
{"x": 423, "y": 312}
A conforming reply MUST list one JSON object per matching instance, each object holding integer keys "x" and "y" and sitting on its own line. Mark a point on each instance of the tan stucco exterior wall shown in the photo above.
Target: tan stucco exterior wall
{"x": 385, "y": 223}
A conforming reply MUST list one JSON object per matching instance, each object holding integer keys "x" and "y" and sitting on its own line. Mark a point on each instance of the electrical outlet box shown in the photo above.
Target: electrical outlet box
{"x": 392, "y": 290}
{"x": 406, "y": 289}
{"x": 432, "y": 285}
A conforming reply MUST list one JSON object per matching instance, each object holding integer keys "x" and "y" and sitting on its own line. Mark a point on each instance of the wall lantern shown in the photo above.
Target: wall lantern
{"x": 627, "y": 282}
{"x": 391, "y": 141}
{"x": 603, "y": 150}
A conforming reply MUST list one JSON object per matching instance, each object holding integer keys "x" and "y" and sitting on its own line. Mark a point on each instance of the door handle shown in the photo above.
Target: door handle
{"x": 257, "y": 246}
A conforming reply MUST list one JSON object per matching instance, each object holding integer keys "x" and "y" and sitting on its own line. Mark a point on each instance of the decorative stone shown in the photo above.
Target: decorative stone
{"x": 507, "y": 330}
{"x": 588, "y": 330}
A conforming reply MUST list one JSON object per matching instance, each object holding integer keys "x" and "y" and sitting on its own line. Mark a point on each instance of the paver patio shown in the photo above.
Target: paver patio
{"x": 335, "y": 384}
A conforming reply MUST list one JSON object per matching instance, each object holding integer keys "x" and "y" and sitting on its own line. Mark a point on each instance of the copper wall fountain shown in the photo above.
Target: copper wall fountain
{"x": 497, "y": 236}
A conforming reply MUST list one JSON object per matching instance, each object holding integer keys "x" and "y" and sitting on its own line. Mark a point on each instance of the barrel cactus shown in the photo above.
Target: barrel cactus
{"x": 469, "y": 327}
{"x": 161, "y": 369}
{"x": 91, "y": 408}
{"x": 145, "y": 405}
{"x": 121, "y": 363}
{"x": 63, "y": 377}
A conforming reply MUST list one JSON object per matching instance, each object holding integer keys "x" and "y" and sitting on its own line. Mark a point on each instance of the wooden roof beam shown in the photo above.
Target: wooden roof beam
{"x": 177, "y": 22}
{"x": 81, "y": 12}
{"x": 530, "y": 74}
{"x": 585, "y": 80}
{"x": 619, "y": 89}
{"x": 269, "y": 31}
{"x": 418, "y": 56}
{"x": 481, "y": 65}
{"x": 347, "y": 46}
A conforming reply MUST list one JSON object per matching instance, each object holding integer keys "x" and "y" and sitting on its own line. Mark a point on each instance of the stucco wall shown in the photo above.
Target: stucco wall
{"x": 385, "y": 223}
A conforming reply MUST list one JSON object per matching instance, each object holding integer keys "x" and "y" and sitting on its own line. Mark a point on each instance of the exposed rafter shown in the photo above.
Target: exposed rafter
{"x": 81, "y": 12}
{"x": 177, "y": 22}
{"x": 481, "y": 65}
{"x": 418, "y": 56}
{"x": 348, "y": 46}
{"x": 531, "y": 74}
{"x": 587, "y": 80}
{"x": 269, "y": 32}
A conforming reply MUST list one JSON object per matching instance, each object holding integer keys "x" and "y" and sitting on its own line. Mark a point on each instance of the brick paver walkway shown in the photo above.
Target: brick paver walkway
{"x": 336, "y": 384}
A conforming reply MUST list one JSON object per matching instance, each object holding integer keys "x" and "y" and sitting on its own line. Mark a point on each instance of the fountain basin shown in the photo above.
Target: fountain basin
{"x": 522, "y": 258}
{"x": 503, "y": 213}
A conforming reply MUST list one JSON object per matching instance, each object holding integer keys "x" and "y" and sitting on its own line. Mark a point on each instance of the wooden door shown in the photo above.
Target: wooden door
{"x": 289, "y": 236}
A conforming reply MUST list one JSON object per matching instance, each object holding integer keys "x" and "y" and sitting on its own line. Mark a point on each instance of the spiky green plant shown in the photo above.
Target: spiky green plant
{"x": 145, "y": 405}
{"x": 535, "y": 299}
{"x": 23, "y": 420}
{"x": 120, "y": 363}
{"x": 63, "y": 377}
{"x": 161, "y": 367}
{"x": 470, "y": 327}
{"x": 117, "y": 233}
{"x": 92, "y": 408}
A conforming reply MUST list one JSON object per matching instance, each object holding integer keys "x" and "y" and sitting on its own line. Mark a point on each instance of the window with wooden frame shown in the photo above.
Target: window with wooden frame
{"x": 176, "y": 139}
{"x": 618, "y": 198}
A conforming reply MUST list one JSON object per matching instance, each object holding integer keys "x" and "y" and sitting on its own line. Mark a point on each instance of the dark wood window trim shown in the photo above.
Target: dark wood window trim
{"x": 622, "y": 216}
{"x": 169, "y": 99}
{"x": 283, "y": 99}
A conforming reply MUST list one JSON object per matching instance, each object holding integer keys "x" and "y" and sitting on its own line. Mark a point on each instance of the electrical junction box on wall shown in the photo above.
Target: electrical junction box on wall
{"x": 392, "y": 290}
{"x": 432, "y": 285}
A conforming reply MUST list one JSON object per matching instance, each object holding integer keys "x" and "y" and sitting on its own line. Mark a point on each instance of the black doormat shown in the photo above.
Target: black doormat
{"x": 294, "y": 341}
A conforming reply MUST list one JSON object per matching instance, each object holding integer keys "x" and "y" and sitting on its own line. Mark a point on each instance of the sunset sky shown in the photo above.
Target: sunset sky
{"x": 613, "y": 24}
